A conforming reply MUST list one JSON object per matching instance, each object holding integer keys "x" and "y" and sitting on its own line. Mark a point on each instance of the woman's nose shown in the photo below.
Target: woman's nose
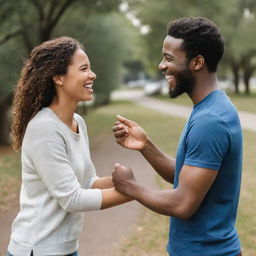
{"x": 93, "y": 75}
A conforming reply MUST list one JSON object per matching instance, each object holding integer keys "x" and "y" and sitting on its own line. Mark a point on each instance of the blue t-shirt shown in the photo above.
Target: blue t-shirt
{"x": 212, "y": 138}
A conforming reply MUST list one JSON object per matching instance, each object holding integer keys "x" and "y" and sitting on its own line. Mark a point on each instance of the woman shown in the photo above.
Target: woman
{"x": 58, "y": 178}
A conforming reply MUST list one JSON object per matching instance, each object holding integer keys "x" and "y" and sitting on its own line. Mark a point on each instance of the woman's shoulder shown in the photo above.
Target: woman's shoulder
{"x": 43, "y": 125}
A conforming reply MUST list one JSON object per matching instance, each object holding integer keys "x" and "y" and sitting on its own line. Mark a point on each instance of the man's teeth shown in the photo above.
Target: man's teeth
{"x": 167, "y": 77}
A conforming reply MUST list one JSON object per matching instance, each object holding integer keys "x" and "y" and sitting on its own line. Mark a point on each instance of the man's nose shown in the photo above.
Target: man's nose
{"x": 162, "y": 65}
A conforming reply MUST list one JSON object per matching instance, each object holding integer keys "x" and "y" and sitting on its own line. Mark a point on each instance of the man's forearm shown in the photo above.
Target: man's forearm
{"x": 165, "y": 202}
{"x": 162, "y": 163}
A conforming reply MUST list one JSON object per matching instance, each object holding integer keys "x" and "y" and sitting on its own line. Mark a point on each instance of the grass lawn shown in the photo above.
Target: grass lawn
{"x": 242, "y": 102}
{"x": 151, "y": 235}
{"x": 9, "y": 177}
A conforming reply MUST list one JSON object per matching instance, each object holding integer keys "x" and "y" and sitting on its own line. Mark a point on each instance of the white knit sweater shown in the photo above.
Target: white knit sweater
{"x": 57, "y": 174}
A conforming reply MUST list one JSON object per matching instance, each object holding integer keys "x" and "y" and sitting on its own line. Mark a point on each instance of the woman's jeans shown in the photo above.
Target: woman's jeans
{"x": 72, "y": 254}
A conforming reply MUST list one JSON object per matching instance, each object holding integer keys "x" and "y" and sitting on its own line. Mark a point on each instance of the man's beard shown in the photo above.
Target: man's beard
{"x": 185, "y": 82}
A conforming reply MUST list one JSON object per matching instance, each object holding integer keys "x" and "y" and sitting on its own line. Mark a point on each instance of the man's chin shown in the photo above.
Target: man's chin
{"x": 174, "y": 94}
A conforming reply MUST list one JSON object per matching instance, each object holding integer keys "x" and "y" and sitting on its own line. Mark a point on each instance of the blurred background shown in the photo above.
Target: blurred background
{"x": 123, "y": 39}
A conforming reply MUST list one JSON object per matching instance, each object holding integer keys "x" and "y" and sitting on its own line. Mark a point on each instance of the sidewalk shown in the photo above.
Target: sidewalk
{"x": 248, "y": 120}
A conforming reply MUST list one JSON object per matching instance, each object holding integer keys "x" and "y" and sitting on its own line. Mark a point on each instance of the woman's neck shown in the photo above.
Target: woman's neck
{"x": 64, "y": 111}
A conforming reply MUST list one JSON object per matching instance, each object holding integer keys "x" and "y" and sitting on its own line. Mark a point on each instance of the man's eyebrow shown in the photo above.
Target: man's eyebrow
{"x": 168, "y": 55}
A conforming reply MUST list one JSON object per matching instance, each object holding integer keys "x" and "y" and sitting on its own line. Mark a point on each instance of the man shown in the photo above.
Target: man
{"x": 207, "y": 170}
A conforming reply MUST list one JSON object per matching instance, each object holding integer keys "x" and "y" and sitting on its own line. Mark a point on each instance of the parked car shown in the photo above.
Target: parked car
{"x": 153, "y": 88}
{"x": 137, "y": 83}
{"x": 156, "y": 87}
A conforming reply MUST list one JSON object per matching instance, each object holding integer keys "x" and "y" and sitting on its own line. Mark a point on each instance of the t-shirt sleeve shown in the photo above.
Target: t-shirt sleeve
{"x": 53, "y": 166}
{"x": 207, "y": 142}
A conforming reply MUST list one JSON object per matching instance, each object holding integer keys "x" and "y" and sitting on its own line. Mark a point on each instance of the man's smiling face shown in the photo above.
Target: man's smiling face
{"x": 175, "y": 67}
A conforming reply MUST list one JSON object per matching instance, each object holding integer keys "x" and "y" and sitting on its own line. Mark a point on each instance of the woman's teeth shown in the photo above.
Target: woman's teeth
{"x": 88, "y": 86}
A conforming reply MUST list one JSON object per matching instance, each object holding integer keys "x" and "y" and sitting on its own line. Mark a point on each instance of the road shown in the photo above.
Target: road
{"x": 248, "y": 120}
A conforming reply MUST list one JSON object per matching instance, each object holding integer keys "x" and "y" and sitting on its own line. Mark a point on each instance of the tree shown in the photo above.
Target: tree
{"x": 25, "y": 24}
{"x": 239, "y": 37}
{"x": 109, "y": 40}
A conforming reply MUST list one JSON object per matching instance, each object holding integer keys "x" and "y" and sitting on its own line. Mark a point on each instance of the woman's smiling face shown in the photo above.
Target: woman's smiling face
{"x": 78, "y": 81}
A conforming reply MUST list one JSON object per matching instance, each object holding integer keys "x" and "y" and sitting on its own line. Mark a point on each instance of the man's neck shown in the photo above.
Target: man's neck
{"x": 204, "y": 85}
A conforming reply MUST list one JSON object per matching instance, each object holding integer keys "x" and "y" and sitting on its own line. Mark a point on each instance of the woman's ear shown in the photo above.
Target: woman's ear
{"x": 197, "y": 63}
{"x": 57, "y": 80}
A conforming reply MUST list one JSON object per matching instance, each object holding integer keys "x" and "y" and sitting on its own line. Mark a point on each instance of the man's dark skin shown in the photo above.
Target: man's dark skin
{"x": 194, "y": 182}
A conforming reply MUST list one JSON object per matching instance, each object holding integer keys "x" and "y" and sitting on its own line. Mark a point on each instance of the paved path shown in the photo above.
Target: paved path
{"x": 248, "y": 120}
{"x": 103, "y": 230}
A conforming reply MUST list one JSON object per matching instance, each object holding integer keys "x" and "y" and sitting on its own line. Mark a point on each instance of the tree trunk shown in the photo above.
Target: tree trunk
{"x": 235, "y": 70}
{"x": 247, "y": 74}
{"x": 246, "y": 79}
{"x": 5, "y": 120}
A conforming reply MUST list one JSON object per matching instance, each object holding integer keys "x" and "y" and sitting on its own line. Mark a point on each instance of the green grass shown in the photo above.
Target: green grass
{"x": 242, "y": 102}
{"x": 246, "y": 223}
{"x": 151, "y": 235}
{"x": 9, "y": 177}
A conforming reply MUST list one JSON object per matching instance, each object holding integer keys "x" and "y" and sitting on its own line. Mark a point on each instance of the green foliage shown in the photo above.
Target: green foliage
{"x": 240, "y": 36}
{"x": 27, "y": 23}
{"x": 11, "y": 54}
{"x": 108, "y": 42}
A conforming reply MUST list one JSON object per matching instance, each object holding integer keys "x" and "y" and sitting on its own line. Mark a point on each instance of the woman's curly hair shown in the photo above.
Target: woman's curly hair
{"x": 35, "y": 88}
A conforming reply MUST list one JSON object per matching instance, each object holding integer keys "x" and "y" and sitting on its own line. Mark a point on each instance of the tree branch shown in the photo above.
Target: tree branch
{"x": 28, "y": 44}
{"x": 49, "y": 24}
{"x": 39, "y": 9}
{"x": 51, "y": 9}
{"x": 61, "y": 12}
{"x": 10, "y": 36}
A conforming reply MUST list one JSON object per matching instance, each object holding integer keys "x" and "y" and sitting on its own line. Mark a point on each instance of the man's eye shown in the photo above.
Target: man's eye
{"x": 168, "y": 59}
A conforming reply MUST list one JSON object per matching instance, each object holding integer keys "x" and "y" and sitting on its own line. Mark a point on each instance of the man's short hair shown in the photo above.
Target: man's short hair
{"x": 201, "y": 37}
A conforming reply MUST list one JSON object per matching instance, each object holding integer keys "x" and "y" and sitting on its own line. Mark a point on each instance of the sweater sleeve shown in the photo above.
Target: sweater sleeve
{"x": 53, "y": 166}
{"x": 92, "y": 175}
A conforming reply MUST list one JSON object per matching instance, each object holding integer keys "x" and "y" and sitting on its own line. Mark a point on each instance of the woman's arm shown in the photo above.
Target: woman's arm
{"x": 110, "y": 196}
{"x": 104, "y": 182}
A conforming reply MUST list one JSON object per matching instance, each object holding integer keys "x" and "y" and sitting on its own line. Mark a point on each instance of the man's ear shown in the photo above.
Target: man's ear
{"x": 197, "y": 63}
{"x": 57, "y": 80}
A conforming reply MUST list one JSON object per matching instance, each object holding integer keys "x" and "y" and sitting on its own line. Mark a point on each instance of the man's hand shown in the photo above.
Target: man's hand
{"x": 123, "y": 179}
{"x": 129, "y": 134}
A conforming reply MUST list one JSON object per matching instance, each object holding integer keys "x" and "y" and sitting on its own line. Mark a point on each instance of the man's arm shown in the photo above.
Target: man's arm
{"x": 130, "y": 135}
{"x": 162, "y": 163}
{"x": 181, "y": 202}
